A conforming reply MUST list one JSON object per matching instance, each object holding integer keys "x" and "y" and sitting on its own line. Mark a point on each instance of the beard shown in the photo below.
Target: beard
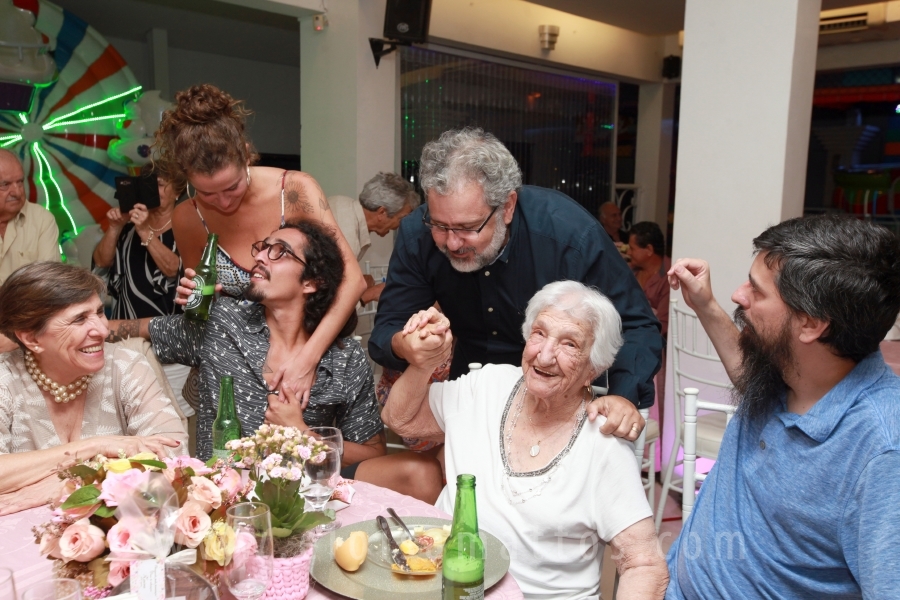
{"x": 482, "y": 259}
{"x": 251, "y": 292}
{"x": 759, "y": 385}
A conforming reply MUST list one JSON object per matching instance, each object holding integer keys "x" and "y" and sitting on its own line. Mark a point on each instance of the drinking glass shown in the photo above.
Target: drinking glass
{"x": 53, "y": 589}
{"x": 333, "y": 437}
{"x": 7, "y": 584}
{"x": 249, "y": 572}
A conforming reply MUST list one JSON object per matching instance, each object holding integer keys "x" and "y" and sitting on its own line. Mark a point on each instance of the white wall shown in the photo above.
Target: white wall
{"x": 511, "y": 27}
{"x": 272, "y": 91}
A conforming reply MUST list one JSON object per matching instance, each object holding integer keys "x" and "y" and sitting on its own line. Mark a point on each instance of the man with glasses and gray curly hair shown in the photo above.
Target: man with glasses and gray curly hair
{"x": 383, "y": 201}
{"x": 481, "y": 246}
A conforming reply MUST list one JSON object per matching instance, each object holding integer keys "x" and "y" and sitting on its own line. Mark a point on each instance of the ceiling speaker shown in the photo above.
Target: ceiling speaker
{"x": 407, "y": 20}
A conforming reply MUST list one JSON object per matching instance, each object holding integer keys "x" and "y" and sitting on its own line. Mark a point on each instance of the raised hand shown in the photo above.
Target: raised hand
{"x": 692, "y": 276}
{"x": 117, "y": 219}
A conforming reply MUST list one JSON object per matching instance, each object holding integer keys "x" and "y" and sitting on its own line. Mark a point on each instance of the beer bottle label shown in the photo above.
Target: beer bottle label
{"x": 196, "y": 296}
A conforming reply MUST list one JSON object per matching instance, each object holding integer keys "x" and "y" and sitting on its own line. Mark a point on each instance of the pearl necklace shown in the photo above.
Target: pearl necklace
{"x": 61, "y": 393}
{"x": 155, "y": 232}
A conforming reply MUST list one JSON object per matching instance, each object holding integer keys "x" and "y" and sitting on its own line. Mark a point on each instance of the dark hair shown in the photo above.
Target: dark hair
{"x": 151, "y": 170}
{"x": 204, "y": 133}
{"x": 324, "y": 266}
{"x": 841, "y": 270}
{"x": 648, "y": 233}
{"x": 37, "y": 291}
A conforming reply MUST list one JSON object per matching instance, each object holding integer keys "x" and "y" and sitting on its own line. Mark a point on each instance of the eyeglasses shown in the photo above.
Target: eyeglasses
{"x": 462, "y": 232}
{"x": 275, "y": 251}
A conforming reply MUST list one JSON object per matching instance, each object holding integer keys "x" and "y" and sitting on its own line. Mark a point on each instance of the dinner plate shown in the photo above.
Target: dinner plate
{"x": 372, "y": 582}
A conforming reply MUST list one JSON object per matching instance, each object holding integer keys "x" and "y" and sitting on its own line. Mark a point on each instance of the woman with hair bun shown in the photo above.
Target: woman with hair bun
{"x": 202, "y": 142}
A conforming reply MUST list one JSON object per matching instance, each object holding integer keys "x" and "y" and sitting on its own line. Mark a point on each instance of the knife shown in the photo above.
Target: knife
{"x": 396, "y": 554}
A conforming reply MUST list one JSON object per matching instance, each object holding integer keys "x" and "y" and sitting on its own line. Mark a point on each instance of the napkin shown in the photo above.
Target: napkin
{"x": 342, "y": 494}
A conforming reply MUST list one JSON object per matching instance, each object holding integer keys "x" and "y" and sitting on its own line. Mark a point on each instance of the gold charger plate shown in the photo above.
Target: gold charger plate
{"x": 372, "y": 582}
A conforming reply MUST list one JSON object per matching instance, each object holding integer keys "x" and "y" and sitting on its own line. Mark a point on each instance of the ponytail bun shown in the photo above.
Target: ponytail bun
{"x": 204, "y": 133}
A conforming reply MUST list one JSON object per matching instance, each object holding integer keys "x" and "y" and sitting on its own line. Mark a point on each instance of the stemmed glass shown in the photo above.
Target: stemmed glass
{"x": 249, "y": 572}
{"x": 7, "y": 584}
{"x": 54, "y": 589}
{"x": 323, "y": 475}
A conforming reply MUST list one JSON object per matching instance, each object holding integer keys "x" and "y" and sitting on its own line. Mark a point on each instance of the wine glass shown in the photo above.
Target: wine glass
{"x": 7, "y": 584}
{"x": 249, "y": 572}
{"x": 331, "y": 436}
{"x": 53, "y": 589}
{"x": 322, "y": 477}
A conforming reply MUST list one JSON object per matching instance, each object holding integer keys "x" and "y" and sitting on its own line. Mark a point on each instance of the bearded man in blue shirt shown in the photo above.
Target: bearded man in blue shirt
{"x": 802, "y": 501}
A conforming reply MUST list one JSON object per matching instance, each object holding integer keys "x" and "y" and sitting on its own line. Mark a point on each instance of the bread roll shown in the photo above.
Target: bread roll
{"x": 350, "y": 554}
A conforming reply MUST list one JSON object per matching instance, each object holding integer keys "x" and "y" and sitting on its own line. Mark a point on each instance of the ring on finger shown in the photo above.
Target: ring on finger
{"x": 634, "y": 427}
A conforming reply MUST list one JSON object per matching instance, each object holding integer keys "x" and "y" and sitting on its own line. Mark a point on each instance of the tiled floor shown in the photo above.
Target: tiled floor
{"x": 668, "y": 531}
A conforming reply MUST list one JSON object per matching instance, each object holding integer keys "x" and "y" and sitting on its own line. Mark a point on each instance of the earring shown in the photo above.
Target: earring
{"x": 187, "y": 189}
{"x": 248, "y": 175}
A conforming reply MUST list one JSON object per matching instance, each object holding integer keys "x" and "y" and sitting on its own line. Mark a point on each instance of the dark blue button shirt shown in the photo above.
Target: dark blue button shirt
{"x": 802, "y": 506}
{"x": 551, "y": 238}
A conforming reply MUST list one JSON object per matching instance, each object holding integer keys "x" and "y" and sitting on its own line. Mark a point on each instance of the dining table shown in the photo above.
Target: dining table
{"x": 19, "y": 552}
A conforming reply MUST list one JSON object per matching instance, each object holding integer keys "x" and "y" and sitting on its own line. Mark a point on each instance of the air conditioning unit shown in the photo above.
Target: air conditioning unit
{"x": 852, "y": 18}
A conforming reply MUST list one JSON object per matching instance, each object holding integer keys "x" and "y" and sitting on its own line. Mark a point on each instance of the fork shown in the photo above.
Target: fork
{"x": 417, "y": 539}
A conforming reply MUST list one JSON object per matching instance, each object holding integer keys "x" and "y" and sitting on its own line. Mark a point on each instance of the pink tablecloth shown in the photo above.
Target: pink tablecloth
{"x": 891, "y": 352}
{"x": 19, "y": 552}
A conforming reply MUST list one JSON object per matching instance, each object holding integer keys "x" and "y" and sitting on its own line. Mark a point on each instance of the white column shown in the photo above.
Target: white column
{"x": 158, "y": 43}
{"x": 653, "y": 161}
{"x": 347, "y": 106}
{"x": 746, "y": 101}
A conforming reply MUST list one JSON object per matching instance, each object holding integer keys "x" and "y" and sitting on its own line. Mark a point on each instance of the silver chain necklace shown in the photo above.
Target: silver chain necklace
{"x": 519, "y": 497}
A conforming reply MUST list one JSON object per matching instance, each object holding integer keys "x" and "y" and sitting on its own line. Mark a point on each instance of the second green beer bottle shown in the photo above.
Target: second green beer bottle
{"x": 226, "y": 427}
{"x": 199, "y": 302}
{"x": 463, "y": 564}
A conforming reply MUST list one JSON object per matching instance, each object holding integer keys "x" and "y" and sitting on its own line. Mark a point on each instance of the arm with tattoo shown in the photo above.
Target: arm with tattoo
{"x": 122, "y": 330}
{"x": 304, "y": 197}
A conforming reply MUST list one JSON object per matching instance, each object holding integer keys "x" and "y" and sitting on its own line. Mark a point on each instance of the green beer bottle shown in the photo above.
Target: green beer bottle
{"x": 197, "y": 307}
{"x": 226, "y": 427}
{"x": 463, "y": 565}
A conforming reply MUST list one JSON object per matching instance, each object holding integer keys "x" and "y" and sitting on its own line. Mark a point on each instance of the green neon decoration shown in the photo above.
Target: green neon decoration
{"x": 75, "y": 112}
{"x": 62, "y": 202}
{"x": 11, "y": 142}
{"x": 9, "y": 136}
{"x": 23, "y": 118}
{"x": 61, "y": 123}
{"x": 41, "y": 175}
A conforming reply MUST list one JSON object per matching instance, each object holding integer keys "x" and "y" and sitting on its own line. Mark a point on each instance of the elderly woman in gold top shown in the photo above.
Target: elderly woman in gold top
{"x": 65, "y": 395}
{"x": 551, "y": 486}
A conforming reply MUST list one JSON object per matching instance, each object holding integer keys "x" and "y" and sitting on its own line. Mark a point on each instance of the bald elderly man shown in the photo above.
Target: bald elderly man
{"x": 28, "y": 231}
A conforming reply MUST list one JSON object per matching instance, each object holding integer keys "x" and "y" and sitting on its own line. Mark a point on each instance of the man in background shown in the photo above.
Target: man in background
{"x": 29, "y": 233}
{"x": 383, "y": 201}
{"x": 611, "y": 220}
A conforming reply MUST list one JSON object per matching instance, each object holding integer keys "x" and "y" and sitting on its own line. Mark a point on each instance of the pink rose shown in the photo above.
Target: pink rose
{"x": 205, "y": 493}
{"x": 119, "y": 486}
{"x": 191, "y": 525}
{"x": 119, "y": 535}
{"x": 245, "y": 547}
{"x": 229, "y": 481}
{"x": 50, "y": 545}
{"x": 81, "y": 542}
{"x": 118, "y": 571}
{"x": 197, "y": 465}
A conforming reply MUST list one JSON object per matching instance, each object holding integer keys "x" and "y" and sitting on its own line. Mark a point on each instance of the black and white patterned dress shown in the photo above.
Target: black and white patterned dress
{"x": 139, "y": 288}
{"x": 235, "y": 341}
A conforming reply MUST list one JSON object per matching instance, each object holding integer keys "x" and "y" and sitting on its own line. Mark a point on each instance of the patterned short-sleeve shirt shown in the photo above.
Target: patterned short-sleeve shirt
{"x": 235, "y": 341}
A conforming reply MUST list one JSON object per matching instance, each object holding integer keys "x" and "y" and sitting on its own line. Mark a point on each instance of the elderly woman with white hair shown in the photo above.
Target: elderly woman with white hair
{"x": 554, "y": 489}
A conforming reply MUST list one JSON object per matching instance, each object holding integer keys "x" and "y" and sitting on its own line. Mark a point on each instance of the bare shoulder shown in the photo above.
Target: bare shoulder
{"x": 303, "y": 196}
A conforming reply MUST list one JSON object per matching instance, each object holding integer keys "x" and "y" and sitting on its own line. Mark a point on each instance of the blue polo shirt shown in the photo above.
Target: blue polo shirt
{"x": 802, "y": 506}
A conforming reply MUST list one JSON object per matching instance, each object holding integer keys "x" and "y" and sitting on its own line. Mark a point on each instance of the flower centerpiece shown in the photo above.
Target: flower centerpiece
{"x": 275, "y": 457}
{"x": 87, "y": 533}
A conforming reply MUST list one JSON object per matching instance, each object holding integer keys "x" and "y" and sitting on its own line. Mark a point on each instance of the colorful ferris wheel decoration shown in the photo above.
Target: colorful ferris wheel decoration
{"x": 62, "y": 137}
